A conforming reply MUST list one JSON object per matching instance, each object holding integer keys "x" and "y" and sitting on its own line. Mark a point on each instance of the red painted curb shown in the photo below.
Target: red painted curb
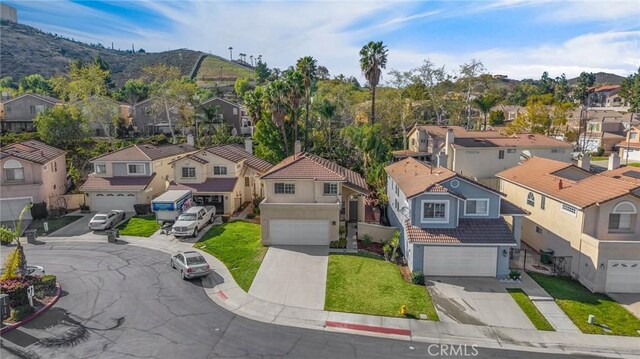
{"x": 36, "y": 314}
{"x": 369, "y": 328}
{"x": 222, "y": 295}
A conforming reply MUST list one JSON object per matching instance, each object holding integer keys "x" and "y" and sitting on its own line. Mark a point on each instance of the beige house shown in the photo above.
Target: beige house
{"x": 590, "y": 219}
{"x": 629, "y": 149}
{"x": 132, "y": 175}
{"x": 31, "y": 172}
{"x": 307, "y": 199}
{"x": 221, "y": 176}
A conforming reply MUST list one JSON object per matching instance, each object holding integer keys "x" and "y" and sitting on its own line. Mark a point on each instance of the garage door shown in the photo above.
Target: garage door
{"x": 299, "y": 232}
{"x": 10, "y": 208}
{"x": 460, "y": 261}
{"x": 623, "y": 276}
{"x": 109, "y": 201}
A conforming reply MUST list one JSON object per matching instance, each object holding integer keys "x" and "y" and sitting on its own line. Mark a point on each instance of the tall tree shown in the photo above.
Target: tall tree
{"x": 630, "y": 91}
{"x": 277, "y": 96}
{"x": 323, "y": 73}
{"x": 308, "y": 67}
{"x": 433, "y": 78}
{"x": 561, "y": 89}
{"x": 484, "y": 104}
{"x": 210, "y": 116}
{"x": 132, "y": 92}
{"x": 470, "y": 79}
{"x": 585, "y": 81}
{"x": 262, "y": 72}
{"x": 373, "y": 58}
{"x": 61, "y": 126}
{"x": 541, "y": 115}
{"x": 241, "y": 86}
{"x": 295, "y": 88}
{"x": 253, "y": 103}
{"x": 35, "y": 83}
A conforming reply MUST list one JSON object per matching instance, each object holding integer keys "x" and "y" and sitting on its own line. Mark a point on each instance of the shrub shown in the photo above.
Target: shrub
{"x": 600, "y": 151}
{"x": 496, "y": 118}
{"x": 84, "y": 208}
{"x": 256, "y": 211}
{"x": 341, "y": 243}
{"x": 16, "y": 289}
{"x": 417, "y": 278}
{"x": 142, "y": 209}
{"x": 386, "y": 249}
{"x": 251, "y": 216}
{"x": 20, "y": 312}
{"x": 45, "y": 285}
{"x": 366, "y": 239}
{"x": 7, "y": 235}
{"x": 514, "y": 275}
{"x": 256, "y": 202}
{"x": 12, "y": 263}
{"x": 39, "y": 210}
{"x": 343, "y": 230}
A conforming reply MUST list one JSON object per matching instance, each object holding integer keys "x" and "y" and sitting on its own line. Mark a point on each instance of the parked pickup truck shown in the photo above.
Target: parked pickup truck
{"x": 190, "y": 222}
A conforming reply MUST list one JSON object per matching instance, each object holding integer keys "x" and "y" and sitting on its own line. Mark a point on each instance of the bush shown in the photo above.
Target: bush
{"x": 600, "y": 151}
{"x": 45, "y": 285}
{"x": 39, "y": 210}
{"x": 84, "y": 208}
{"x": 496, "y": 118}
{"x": 16, "y": 289}
{"x": 256, "y": 202}
{"x": 417, "y": 278}
{"x": 341, "y": 243}
{"x": 256, "y": 211}
{"x": 7, "y": 235}
{"x": 366, "y": 240}
{"x": 514, "y": 275}
{"x": 251, "y": 216}
{"x": 142, "y": 209}
{"x": 20, "y": 312}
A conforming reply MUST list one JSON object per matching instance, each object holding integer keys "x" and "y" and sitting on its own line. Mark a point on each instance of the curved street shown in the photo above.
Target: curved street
{"x": 123, "y": 301}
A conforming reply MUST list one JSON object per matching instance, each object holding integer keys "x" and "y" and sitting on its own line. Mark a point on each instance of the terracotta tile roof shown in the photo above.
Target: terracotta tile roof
{"x": 539, "y": 175}
{"x": 196, "y": 159}
{"x": 32, "y": 150}
{"x": 626, "y": 173}
{"x": 469, "y": 231}
{"x": 409, "y": 153}
{"x": 509, "y": 209}
{"x": 309, "y": 166}
{"x": 211, "y": 185}
{"x": 606, "y": 88}
{"x": 122, "y": 183}
{"x": 442, "y": 189}
{"x": 236, "y": 153}
{"x": 145, "y": 152}
{"x": 624, "y": 144}
{"x": 458, "y": 131}
{"x": 527, "y": 140}
{"x": 415, "y": 177}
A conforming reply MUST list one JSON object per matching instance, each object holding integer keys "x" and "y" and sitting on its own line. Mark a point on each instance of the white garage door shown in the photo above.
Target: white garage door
{"x": 10, "y": 208}
{"x": 114, "y": 200}
{"x": 299, "y": 232}
{"x": 623, "y": 276}
{"x": 460, "y": 261}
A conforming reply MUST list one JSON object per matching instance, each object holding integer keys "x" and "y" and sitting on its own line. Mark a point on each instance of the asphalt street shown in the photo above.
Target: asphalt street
{"x": 122, "y": 301}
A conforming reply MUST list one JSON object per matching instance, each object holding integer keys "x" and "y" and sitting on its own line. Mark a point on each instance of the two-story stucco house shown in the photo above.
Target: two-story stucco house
{"x": 450, "y": 225}
{"x": 221, "y": 176}
{"x": 31, "y": 172}
{"x": 17, "y": 114}
{"x": 306, "y": 198}
{"x": 232, "y": 114}
{"x": 147, "y": 120}
{"x": 590, "y": 219}
{"x": 629, "y": 149}
{"x": 132, "y": 175}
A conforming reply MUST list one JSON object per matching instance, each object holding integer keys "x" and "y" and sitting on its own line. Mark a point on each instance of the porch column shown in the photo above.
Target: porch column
{"x": 516, "y": 227}
{"x": 361, "y": 208}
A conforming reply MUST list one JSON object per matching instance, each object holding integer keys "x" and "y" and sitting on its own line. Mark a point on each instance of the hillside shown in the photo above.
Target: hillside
{"x": 215, "y": 70}
{"x": 602, "y": 78}
{"x": 25, "y": 50}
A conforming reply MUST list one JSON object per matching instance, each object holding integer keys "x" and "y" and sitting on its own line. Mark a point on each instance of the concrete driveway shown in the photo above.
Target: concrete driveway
{"x": 81, "y": 226}
{"x": 630, "y": 301}
{"x": 293, "y": 275}
{"x": 477, "y": 301}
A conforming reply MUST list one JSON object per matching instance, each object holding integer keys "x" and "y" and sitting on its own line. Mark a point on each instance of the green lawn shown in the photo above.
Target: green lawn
{"x": 527, "y": 306}
{"x": 54, "y": 224}
{"x": 599, "y": 158}
{"x": 140, "y": 226}
{"x": 366, "y": 285}
{"x": 634, "y": 164}
{"x": 578, "y": 302}
{"x": 237, "y": 245}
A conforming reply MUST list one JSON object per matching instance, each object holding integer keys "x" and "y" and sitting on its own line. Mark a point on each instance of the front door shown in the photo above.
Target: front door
{"x": 353, "y": 211}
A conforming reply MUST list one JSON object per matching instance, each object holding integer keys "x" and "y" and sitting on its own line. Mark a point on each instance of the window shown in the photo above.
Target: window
{"x": 538, "y": 229}
{"x": 188, "y": 172}
{"x": 397, "y": 205}
{"x": 531, "y": 200}
{"x": 219, "y": 170}
{"x": 543, "y": 200}
{"x": 413, "y": 141}
{"x": 423, "y": 140}
{"x": 435, "y": 211}
{"x": 14, "y": 171}
{"x": 622, "y": 217}
{"x": 7, "y": 108}
{"x": 246, "y": 182}
{"x": 285, "y": 188}
{"x": 555, "y": 150}
{"x": 55, "y": 166}
{"x": 235, "y": 110}
{"x": 501, "y": 154}
{"x": 511, "y": 150}
{"x": 569, "y": 209}
{"x": 100, "y": 168}
{"x": 32, "y": 109}
{"x": 330, "y": 189}
{"x": 476, "y": 207}
{"x": 633, "y": 136}
{"x": 136, "y": 168}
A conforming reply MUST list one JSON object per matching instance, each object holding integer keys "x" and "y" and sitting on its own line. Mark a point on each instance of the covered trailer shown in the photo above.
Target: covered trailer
{"x": 169, "y": 205}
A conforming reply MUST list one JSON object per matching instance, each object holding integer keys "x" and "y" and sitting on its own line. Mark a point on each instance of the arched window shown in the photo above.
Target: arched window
{"x": 623, "y": 217}
{"x": 531, "y": 200}
{"x": 14, "y": 171}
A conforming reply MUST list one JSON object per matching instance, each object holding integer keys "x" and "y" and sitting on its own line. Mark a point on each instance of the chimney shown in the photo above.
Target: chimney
{"x": 190, "y": 139}
{"x": 560, "y": 184}
{"x": 297, "y": 147}
{"x": 585, "y": 162}
{"x": 614, "y": 161}
{"x": 448, "y": 141}
{"x": 248, "y": 145}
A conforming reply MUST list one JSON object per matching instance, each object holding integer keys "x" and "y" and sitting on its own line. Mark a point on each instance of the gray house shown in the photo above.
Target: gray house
{"x": 148, "y": 121}
{"x": 450, "y": 225}
{"x": 17, "y": 114}
{"x": 233, "y": 114}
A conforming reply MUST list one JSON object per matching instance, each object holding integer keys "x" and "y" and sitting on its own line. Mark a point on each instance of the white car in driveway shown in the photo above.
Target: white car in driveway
{"x": 193, "y": 220}
{"x": 106, "y": 220}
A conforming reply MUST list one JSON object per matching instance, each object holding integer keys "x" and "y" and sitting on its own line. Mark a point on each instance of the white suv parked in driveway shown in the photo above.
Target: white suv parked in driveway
{"x": 193, "y": 220}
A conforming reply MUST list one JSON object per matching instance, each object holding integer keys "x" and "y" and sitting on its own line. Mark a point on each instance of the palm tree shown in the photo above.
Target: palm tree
{"x": 308, "y": 66}
{"x": 295, "y": 87}
{"x": 251, "y": 58}
{"x": 231, "y": 53}
{"x": 277, "y": 97}
{"x": 327, "y": 110}
{"x": 209, "y": 116}
{"x": 253, "y": 104}
{"x": 485, "y": 103}
{"x": 373, "y": 58}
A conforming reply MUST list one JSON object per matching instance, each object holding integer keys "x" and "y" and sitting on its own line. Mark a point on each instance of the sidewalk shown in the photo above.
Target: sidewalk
{"x": 224, "y": 291}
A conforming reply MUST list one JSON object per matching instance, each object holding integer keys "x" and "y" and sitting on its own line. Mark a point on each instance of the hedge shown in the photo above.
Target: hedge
{"x": 16, "y": 289}
{"x": 20, "y": 312}
{"x": 39, "y": 210}
{"x": 142, "y": 209}
{"x": 45, "y": 286}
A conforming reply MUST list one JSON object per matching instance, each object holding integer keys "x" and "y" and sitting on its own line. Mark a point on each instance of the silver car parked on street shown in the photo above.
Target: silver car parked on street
{"x": 191, "y": 264}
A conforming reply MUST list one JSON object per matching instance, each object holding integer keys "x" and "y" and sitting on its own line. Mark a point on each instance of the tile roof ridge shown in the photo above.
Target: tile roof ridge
{"x": 141, "y": 151}
{"x": 326, "y": 167}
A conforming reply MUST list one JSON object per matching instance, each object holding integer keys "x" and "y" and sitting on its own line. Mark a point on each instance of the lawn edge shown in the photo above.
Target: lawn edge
{"x": 550, "y": 328}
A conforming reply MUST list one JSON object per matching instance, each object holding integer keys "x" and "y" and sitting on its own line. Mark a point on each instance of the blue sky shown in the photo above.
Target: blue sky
{"x": 519, "y": 38}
